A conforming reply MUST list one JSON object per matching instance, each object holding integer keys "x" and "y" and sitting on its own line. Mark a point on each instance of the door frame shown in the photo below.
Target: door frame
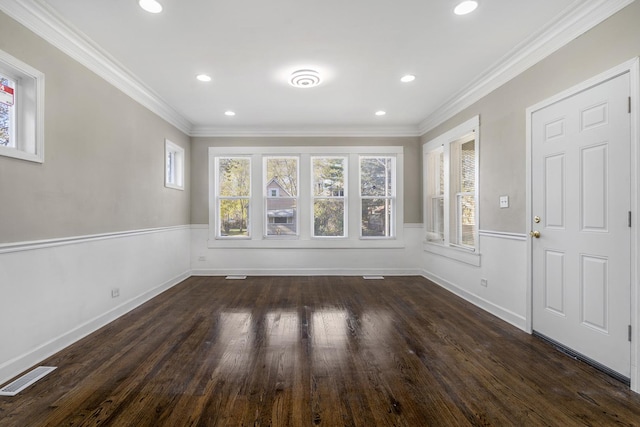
{"x": 633, "y": 68}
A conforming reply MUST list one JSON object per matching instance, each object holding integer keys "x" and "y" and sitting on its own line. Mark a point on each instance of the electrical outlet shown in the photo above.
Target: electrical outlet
{"x": 202, "y": 258}
{"x": 504, "y": 202}
{"x": 115, "y": 292}
{"x": 483, "y": 282}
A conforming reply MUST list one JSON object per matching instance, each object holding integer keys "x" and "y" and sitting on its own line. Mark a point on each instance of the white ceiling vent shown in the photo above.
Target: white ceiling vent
{"x": 305, "y": 78}
{"x": 26, "y": 380}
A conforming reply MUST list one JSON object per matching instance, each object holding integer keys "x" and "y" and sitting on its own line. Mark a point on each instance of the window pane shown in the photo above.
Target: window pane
{"x": 328, "y": 218}
{"x": 376, "y": 176}
{"x": 235, "y": 177}
{"x": 467, "y": 167}
{"x": 6, "y": 117}
{"x": 282, "y": 216}
{"x": 435, "y": 233}
{"x": 328, "y": 177}
{"x": 467, "y": 227}
{"x": 376, "y": 217}
{"x": 282, "y": 173}
{"x": 234, "y": 217}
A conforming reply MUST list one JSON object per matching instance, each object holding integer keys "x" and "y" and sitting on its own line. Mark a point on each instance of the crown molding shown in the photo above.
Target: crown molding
{"x": 579, "y": 17}
{"x": 46, "y": 23}
{"x": 576, "y": 19}
{"x": 395, "y": 131}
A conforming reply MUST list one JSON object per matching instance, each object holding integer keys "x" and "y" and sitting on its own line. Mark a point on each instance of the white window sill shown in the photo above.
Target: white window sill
{"x": 458, "y": 254}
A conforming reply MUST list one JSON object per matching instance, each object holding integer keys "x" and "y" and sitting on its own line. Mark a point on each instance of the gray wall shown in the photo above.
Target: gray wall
{"x": 503, "y": 119}
{"x": 104, "y": 156}
{"x": 199, "y": 169}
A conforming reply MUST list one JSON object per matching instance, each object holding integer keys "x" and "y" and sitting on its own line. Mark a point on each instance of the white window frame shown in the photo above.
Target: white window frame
{"x": 344, "y": 197}
{"x": 390, "y": 198}
{"x": 215, "y": 219}
{"x": 173, "y": 165}
{"x": 28, "y": 110}
{"x": 305, "y": 239}
{"x": 445, "y": 142}
{"x": 268, "y": 196}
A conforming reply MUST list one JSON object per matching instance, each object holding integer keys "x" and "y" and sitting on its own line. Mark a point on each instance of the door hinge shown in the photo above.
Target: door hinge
{"x": 629, "y": 333}
{"x": 629, "y": 218}
{"x": 629, "y": 105}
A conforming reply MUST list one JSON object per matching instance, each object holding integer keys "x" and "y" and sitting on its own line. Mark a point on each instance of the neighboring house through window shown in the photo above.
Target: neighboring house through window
{"x": 303, "y": 196}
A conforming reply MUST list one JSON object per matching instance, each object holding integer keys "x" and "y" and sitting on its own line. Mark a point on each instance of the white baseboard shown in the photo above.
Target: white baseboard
{"x": 500, "y": 312}
{"x": 21, "y": 363}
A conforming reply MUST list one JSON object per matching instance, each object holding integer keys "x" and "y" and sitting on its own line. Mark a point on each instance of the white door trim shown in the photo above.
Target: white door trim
{"x": 633, "y": 68}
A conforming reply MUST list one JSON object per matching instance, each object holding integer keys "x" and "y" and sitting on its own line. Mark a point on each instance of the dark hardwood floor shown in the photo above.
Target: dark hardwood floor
{"x": 325, "y": 351}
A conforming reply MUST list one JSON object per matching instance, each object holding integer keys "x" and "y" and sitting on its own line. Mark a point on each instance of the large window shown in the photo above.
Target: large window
{"x": 307, "y": 197}
{"x": 281, "y": 201}
{"x": 451, "y": 188}
{"x": 329, "y": 196}
{"x": 377, "y": 193}
{"x": 233, "y": 196}
{"x": 21, "y": 110}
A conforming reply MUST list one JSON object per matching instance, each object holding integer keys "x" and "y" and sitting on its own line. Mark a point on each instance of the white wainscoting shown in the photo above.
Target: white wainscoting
{"x": 503, "y": 263}
{"x": 405, "y": 260}
{"x": 57, "y": 291}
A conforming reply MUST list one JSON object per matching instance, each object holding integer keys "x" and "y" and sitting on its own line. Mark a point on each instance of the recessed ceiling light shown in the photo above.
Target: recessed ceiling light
{"x": 151, "y": 6}
{"x": 229, "y": 113}
{"x": 465, "y": 7}
{"x": 203, "y": 77}
{"x": 408, "y": 78}
{"x": 305, "y": 78}
{"x": 380, "y": 113}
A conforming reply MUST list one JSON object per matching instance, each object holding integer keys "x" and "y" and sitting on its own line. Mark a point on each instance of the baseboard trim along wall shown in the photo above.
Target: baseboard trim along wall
{"x": 500, "y": 312}
{"x": 309, "y": 272}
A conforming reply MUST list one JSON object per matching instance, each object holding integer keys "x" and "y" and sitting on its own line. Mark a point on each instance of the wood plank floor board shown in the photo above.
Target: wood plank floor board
{"x": 316, "y": 351}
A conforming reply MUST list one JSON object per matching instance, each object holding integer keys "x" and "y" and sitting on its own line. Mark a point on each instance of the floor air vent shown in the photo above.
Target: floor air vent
{"x": 373, "y": 277}
{"x": 236, "y": 277}
{"x": 26, "y": 380}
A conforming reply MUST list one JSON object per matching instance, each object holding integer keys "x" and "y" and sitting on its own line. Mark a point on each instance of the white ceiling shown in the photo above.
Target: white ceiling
{"x": 362, "y": 48}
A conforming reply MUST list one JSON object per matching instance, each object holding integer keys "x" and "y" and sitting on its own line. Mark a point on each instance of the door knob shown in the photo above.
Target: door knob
{"x": 535, "y": 234}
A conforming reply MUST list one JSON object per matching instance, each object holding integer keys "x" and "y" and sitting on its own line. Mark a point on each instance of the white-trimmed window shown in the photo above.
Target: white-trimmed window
{"x": 451, "y": 191}
{"x": 302, "y": 194}
{"x": 377, "y": 196}
{"x": 233, "y": 197}
{"x": 174, "y": 165}
{"x": 21, "y": 110}
{"x": 281, "y": 189}
{"x": 329, "y": 196}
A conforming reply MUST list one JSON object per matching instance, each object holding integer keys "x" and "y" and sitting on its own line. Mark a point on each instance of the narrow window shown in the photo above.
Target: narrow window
{"x": 377, "y": 196}
{"x": 233, "y": 194}
{"x": 329, "y": 202}
{"x": 21, "y": 110}
{"x": 174, "y": 165}
{"x": 281, "y": 188}
{"x": 435, "y": 195}
{"x": 463, "y": 176}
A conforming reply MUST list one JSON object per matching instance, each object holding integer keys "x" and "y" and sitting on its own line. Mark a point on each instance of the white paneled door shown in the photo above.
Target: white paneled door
{"x": 581, "y": 235}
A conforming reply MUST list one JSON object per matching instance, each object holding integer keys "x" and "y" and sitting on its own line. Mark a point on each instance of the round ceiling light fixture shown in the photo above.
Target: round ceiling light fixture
{"x": 465, "y": 7}
{"x": 305, "y": 78}
{"x": 203, "y": 77}
{"x": 380, "y": 113}
{"x": 151, "y": 6}
{"x": 408, "y": 78}
{"x": 229, "y": 113}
